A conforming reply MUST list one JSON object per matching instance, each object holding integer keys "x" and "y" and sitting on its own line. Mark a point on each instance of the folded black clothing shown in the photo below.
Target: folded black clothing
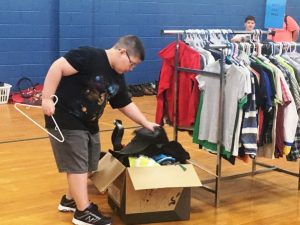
{"x": 175, "y": 149}
{"x": 145, "y": 139}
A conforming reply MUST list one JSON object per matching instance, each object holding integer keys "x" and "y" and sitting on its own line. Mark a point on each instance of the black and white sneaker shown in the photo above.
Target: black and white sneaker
{"x": 66, "y": 205}
{"x": 90, "y": 216}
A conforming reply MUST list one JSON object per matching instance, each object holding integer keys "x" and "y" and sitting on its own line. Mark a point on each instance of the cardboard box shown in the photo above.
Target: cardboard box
{"x": 147, "y": 194}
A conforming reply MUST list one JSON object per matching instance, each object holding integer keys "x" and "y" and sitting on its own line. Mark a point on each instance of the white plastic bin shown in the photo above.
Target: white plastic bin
{"x": 4, "y": 93}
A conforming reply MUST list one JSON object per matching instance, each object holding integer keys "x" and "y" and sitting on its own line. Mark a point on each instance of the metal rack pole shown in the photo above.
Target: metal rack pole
{"x": 175, "y": 110}
{"x": 299, "y": 178}
{"x": 220, "y": 133}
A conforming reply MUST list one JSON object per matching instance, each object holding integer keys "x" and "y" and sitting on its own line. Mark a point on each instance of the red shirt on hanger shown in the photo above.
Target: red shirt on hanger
{"x": 188, "y": 91}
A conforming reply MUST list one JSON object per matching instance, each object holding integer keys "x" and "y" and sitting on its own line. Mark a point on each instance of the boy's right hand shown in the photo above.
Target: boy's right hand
{"x": 48, "y": 106}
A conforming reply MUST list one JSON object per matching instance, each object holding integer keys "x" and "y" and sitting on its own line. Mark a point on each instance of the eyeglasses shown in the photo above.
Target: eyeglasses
{"x": 132, "y": 64}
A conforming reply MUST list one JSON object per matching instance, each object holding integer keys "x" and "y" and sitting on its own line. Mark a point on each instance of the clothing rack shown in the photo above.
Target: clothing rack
{"x": 180, "y": 32}
{"x": 217, "y": 175}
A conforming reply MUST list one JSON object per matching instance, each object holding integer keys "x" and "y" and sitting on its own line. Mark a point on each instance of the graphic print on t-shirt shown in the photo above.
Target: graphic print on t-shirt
{"x": 92, "y": 101}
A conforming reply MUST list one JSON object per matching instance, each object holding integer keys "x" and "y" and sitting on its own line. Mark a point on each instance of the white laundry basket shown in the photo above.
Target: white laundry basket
{"x": 4, "y": 93}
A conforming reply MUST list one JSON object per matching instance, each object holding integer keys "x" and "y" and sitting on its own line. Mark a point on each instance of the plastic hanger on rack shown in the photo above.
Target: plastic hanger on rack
{"x": 289, "y": 47}
{"x": 280, "y": 48}
{"x": 230, "y": 55}
{"x": 272, "y": 48}
{"x": 258, "y": 48}
{"x": 286, "y": 47}
{"x": 225, "y": 34}
{"x": 28, "y": 117}
{"x": 216, "y": 37}
{"x": 259, "y": 55}
{"x": 253, "y": 45}
{"x": 295, "y": 47}
{"x": 242, "y": 46}
{"x": 235, "y": 50}
{"x": 256, "y": 35}
{"x": 198, "y": 40}
{"x": 235, "y": 54}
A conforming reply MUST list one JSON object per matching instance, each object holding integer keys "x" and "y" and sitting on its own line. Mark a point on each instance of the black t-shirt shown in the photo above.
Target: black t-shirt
{"x": 83, "y": 96}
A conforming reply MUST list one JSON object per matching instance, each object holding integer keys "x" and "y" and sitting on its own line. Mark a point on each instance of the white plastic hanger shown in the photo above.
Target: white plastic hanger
{"x": 35, "y": 106}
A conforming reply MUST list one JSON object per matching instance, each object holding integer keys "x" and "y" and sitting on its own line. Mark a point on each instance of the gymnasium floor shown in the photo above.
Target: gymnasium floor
{"x": 31, "y": 187}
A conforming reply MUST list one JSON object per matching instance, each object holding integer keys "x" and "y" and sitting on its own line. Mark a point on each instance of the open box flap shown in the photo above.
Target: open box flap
{"x": 164, "y": 177}
{"x": 109, "y": 168}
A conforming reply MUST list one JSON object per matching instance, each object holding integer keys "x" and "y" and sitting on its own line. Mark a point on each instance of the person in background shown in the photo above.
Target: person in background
{"x": 289, "y": 32}
{"x": 249, "y": 26}
{"x": 84, "y": 80}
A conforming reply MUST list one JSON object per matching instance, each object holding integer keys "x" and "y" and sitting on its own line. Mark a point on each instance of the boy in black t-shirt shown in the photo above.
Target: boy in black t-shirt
{"x": 84, "y": 79}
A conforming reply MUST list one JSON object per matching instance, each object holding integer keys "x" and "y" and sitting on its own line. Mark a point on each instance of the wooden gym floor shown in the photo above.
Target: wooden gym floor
{"x": 31, "y": 187}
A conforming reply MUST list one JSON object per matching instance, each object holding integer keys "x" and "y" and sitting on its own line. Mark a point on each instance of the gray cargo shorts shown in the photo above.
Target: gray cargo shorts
{"x": 79, "y": 153}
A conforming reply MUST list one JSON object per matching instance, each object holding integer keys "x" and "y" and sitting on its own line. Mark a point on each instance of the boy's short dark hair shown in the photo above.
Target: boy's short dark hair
{"x": 249, "y": 18}
{"x": 133, "y": 45}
